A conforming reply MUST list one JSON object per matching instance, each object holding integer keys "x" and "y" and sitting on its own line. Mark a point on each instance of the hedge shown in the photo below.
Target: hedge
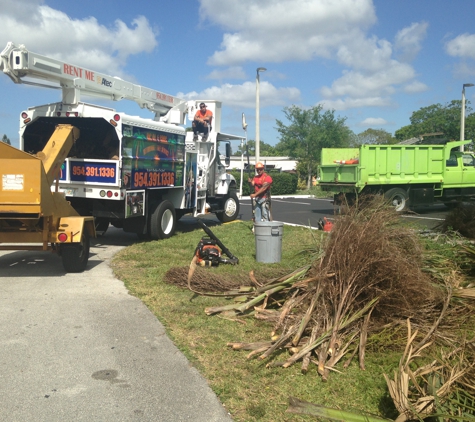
{"x": 282, "y": 183}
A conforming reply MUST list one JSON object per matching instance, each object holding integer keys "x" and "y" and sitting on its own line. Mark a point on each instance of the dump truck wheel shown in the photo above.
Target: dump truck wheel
{"x": 76, "y": 255}
{"x": 397, "y": 197}
{"x": 452, "y": 205}
{"x": 163, "y": 221}
{"x": 230, "y": 208}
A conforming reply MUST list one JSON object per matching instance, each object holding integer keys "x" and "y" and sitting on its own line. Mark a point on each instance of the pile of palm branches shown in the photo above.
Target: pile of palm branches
{"x": 462, "y": 220}
{"x": 441, "y": 388}
{"x": 366, "y": 275}
{"x": 370, "y": 273}
{"x": 445, "y": 386}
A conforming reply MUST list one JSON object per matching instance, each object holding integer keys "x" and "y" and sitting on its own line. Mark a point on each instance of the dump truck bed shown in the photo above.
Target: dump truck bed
{"x": 383, "y": 164}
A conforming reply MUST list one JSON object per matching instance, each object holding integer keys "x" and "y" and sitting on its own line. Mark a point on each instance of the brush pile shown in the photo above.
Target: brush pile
{"x": 367, "y": 274}
{"x": 203, "y": 280}
{"x": 462, "y": 220}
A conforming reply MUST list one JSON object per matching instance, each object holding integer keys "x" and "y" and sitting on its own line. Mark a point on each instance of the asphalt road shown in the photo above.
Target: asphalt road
{"x": 308, "y": 211}
{"x": 78, "y": 347}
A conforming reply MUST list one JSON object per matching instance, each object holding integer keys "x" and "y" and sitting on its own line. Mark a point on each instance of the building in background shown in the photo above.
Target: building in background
{"x": 284, "y": 164}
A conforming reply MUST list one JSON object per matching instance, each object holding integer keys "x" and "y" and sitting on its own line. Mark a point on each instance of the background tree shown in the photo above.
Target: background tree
{"x": 265, "y": 150}
{"x": 6, "y": 140}
{"x": 308, "y": 131}
{"x": 373, "y": 137}
{"x": 470, "y": 127}
{"x": 439, "y": 118}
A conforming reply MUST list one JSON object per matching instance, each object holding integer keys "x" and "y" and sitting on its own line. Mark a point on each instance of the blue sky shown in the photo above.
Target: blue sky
{"x": 373, "y": 62}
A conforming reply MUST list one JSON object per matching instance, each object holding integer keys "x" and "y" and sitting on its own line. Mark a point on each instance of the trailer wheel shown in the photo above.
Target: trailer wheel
{"x": 397, "y": 197}
{"x": 230, "y": 208}
{"x": 76, "y": 255}
{"x": 163, "y": 221}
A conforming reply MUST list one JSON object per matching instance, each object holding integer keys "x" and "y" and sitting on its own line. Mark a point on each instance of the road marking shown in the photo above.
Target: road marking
{"x": 423, "y": 218}
{"x": 301, "y": 225}
{"x": 292, "y": 202}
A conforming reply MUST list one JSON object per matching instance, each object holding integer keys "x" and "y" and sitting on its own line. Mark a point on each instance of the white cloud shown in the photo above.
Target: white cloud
{"x": 408, "y": 41}
{"x": 244, "y": 95}
{"x": 88, "y": 44}
{"x": 373, "y": 122}
{"x": 357, "y": 85}
{"x": 415, "y": 87}
{"x": 303, "y": 30}
{"x": 281, "y": 30}
{"x": 366, "y": 54}
{"x": 234, "y": 72}
{"x": 461, "y": 46}
{"x": 348, "y": 103}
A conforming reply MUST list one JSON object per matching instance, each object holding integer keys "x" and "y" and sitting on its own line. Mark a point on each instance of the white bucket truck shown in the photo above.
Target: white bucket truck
{"x": 138, "y": 174}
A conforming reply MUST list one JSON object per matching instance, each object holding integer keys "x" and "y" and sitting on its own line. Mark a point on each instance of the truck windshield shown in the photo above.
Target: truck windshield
{"x": 468, "y": 160}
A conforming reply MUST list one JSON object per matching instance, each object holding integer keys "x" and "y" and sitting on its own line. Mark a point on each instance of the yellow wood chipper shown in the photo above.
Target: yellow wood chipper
{"x": 33, "y": 216}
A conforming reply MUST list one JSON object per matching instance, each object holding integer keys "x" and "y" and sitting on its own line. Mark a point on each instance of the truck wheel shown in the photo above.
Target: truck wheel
{"x": 119, "y": 224}
{"x": 102, "y": 224}
{"x": 230, "y": 208}
{"x": 163, "y": 221}
{"x": 76, "y": 255}
{"x": 397, "y": 197}
{"x": 452, "y": 205}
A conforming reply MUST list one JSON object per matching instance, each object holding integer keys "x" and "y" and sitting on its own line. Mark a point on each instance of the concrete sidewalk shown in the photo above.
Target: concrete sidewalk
{"x": 78, "y": 347}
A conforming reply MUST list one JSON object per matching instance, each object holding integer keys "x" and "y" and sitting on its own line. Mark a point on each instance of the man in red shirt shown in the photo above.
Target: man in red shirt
{"x": 202, "y": 122}
{"x": 262, "y": 183}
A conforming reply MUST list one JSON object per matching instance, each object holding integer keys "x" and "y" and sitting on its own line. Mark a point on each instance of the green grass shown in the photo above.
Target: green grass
{"x": 249, "y": 390}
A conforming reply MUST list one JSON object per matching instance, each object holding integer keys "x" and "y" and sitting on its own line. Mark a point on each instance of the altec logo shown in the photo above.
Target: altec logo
{"x": 103, "y": 81}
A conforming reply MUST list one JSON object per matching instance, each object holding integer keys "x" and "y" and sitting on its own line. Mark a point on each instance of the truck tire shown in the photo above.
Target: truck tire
{"x": 163, "y": 221}
{"x": 119, "y": 224}
{"x": 76, "y": 255}
{"x": 102, "y": 224}
{"x": 398, "y": 198}
{"x": 230, "y": 208}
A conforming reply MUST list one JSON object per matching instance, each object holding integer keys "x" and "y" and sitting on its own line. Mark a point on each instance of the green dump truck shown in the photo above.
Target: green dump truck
{"x": 408, "y": 175}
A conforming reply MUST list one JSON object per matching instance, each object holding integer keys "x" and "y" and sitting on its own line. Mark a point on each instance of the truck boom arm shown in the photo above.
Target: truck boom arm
{"x": 18, "y": 63}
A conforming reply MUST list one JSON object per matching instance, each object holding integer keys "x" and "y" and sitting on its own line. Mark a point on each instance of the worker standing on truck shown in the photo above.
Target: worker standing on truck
{"x": 202, "y": 122}
{"x": 262, "y": 183}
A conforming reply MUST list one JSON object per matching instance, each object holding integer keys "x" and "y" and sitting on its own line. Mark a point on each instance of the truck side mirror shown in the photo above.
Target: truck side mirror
{"x": 229, "y": 151}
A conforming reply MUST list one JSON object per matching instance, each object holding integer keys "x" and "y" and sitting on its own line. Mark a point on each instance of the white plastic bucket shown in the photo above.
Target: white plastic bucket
{"x": 268, "y": 241}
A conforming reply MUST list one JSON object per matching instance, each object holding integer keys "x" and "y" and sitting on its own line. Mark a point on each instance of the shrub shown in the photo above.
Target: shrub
{"x": 283, "y": 183}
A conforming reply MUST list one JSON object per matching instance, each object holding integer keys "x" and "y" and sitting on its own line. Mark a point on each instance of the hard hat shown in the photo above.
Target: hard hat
{"x": 259, "y": 165}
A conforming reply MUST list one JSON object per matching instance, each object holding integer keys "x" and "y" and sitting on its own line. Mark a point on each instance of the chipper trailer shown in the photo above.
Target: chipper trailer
{"x": 33, "y": 216}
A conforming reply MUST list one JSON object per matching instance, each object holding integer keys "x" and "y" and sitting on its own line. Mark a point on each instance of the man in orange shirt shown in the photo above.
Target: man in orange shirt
{"x": 262, "y": 183}
{"x": 202, "y": 122}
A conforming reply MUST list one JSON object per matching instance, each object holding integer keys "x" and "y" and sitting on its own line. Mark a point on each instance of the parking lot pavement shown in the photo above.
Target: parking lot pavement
{"x": 78, "y": 347}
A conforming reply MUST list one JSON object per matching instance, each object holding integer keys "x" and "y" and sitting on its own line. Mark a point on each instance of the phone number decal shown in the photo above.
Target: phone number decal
{"x": 144, "y": 179}
{"x": 93, "y": 172}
